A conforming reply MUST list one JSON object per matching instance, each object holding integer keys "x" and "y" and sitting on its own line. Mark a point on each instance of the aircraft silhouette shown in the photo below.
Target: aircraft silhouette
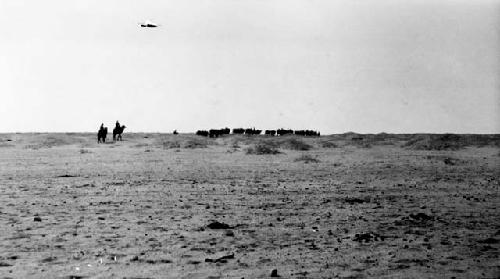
{"x": 148, "y": 24}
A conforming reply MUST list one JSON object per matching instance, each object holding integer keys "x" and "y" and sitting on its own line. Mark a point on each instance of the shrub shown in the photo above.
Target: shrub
{"x": 195, "y": 143}
{"x": 235, "y": 145}
{"x": 49, "y": 141}
{"x": 295, "y": 144}
{"x": 262, "y": 149}
{"x": 6, "y": 144}
{"x": 171, "y": 144}
{"x": 435, "y": 142}
{"x": 328, "y": 144}
{"x": 364, "y": 145}
{"x": 306, "y": 158}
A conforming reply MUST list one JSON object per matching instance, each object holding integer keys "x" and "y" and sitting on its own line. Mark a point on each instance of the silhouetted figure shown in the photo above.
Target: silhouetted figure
{"x": 203, "y": 133}
{"x": 101, "y": 134}
{"x": 118, "y": 130}
{"x": 238, "y": 131}
{"x": 148, "y": 24}
{"x": 270, "y": 132}
{"x": 175, "y": 132}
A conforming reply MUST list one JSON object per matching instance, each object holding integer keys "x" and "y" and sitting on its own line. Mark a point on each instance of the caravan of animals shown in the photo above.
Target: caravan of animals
{"x": 212, "y": 133}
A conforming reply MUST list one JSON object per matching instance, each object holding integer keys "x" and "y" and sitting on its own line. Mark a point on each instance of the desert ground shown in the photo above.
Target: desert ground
{"x": 185, "y": 206}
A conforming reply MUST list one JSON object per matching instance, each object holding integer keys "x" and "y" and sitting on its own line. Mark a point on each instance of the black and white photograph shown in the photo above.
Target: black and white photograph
{"x": 213, "y": 139}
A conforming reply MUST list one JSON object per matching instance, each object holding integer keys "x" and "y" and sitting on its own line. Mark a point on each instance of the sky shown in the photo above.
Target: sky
{"x": 334, "y": 66}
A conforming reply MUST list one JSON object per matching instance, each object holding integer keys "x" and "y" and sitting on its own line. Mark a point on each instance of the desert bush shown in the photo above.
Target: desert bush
{"x": 171, "y": 144}
{"x": 306, "y": 158}
{"x": 84, "y": 151}
{"x": 184, "y": 142}
{"x": 241, "y": 139}
{"x": 435, "y": 142}
{"x": 262, "y": 148}
{"x": 140, "y": 145}
{"x": 364, "y": 145}
{"x": 195, "y": 143}
{"x": 295, "y": 144}
{"x": 50, "y": 141}
{"x": 328, "y": 144}
{"x": 235, "y": 145}
{"x": 55, "y": 141}
{"x": 6, "y": 143}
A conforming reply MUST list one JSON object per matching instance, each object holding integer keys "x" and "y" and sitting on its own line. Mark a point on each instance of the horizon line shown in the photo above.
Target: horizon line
{"x": 193, "y": 133}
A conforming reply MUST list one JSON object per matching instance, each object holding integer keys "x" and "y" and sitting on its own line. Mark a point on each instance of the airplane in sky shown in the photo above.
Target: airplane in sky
{"x": 148, "y": 24}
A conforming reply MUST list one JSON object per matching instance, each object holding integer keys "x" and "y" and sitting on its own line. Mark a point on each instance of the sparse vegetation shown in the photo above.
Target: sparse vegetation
{"x": 179, "y": 141}
{"x": 54, "y": 141}
{"x": 6, "y": 144}
{"x": 84, "y": 151}
{"x": 171, "y": 144}
{"x": 262, "y": 148}
{"x": 295, "y": 144}
{"x": 235, "y": 145}
{"x": 363, "y": 144}
{"x": 435, "y": 142}
{"x": 195, "y": 143}
{"x": 328, "y": 144}
{"x": 306, "y": 158}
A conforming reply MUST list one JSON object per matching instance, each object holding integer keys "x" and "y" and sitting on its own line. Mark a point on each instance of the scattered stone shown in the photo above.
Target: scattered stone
{"x": 487, "y": 248}
{"x": 67, "y": 175}
{"x": 222, "y": 259}
{"x": 4, "y": 264}
{"x": 419, "y": 220}
{"x": 274, "y": 273}
{"x": 37, "y": 219}
{"x": 151, "y": 261}
{"x": 356, "y": 200}
{"x": 229, "y": 233}
{"x": 449, "y": 161}
{"x": 489, "y": 240}
{"x": 218, "y": 226}
{"x": 367, "y": 237}
{"x": 421, "y": 217}
{"x": 48, "y": 259}
{"x": 445, "y": 242}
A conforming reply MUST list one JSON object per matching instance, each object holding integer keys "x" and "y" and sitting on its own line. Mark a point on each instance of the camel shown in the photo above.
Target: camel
{"x": 118, "y": 130}
{"x": 101, "y": 135}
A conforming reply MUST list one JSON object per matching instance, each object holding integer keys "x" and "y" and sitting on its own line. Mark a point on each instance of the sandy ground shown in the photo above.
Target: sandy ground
{"x": 70, "y": 208}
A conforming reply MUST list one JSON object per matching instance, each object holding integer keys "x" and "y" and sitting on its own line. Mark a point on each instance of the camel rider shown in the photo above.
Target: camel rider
{"x": 117, "y": 124}
{"x": 102, "y": 127}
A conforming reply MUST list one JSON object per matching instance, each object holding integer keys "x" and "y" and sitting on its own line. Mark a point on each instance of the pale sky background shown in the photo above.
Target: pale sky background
{"x": 334, "y": 66}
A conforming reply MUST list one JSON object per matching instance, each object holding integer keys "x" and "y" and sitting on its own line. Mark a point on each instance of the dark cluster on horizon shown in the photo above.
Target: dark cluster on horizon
{"x": 117, "y": 132}
{"x": 214, "y": 133}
